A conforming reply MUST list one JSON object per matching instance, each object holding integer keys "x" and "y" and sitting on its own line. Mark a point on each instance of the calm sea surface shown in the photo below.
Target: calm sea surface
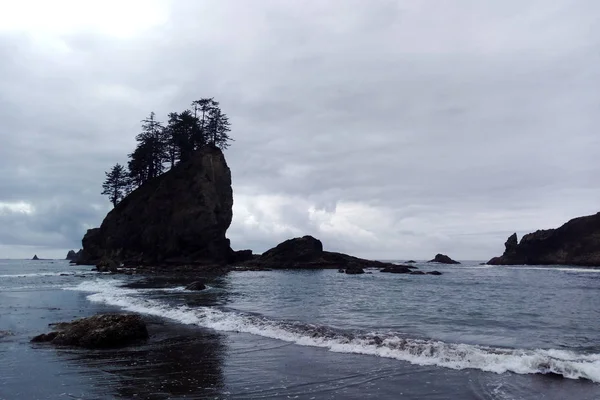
{"x": 476, "y": 332}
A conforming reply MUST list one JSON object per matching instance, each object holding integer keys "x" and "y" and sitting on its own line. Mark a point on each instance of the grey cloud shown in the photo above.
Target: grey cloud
{"x": 455, "y": 123}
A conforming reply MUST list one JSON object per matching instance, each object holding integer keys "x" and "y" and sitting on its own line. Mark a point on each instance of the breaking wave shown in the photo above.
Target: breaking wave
{"x": 565, "y": 363}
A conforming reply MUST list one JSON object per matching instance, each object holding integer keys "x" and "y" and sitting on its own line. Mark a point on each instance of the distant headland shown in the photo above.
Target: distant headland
{"x": 577, "y": 242}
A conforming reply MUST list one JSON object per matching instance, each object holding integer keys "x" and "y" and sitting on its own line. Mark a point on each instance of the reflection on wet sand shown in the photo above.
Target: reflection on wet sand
{"x": 178, "y": 361}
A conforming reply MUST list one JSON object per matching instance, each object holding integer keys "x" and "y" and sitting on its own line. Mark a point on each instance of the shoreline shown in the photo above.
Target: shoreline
{"x": 200, "y": 358}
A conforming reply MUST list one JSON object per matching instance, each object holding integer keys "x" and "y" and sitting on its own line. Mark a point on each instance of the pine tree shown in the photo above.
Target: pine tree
{"x": 202, "y": 111}
{"x": 218, "y": 129}
{"x": 116, "y": 183}
{"x": 172, "y": 134}
{"x": 147, "y": 160}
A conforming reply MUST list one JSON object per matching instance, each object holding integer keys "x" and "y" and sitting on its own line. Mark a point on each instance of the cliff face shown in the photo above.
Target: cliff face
{"x": 575, "y": 243}
{"x": 178, "y": 217}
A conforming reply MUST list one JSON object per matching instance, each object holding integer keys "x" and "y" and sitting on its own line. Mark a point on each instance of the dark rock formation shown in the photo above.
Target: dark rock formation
{"x": 240, "y": 256}
{"x": 197, "y": 285}
{"x": 35, "y": 257}
{"x": 73, "y": 256}
{"x": 307, "y": 253}
{"x": 410, "y": 262}
{"x": 355, "y": 271}
{"x": 177, "y": 218}
{"x": 397, "y": 269}
{"x": 417, "y": 273}
{"x": 100, "y": 331}
{"x": 298, "y": 250}
{"x": 577, "y": 242}
{"x": 250, "y": 268}
{"x": 433, "y": 273}
{"x": 443, "y": 259}
{"x": 107, "y": 265}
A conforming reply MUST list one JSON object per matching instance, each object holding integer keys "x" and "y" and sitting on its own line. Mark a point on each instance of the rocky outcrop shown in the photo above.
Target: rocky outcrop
{"x": 107, "y": 265}
{"x": 298, "y": 250}
{"x": 73, "y": 256}
{"x": 443, "y": 259}
{"x": 35, "y": 257}
{"x": 577, "y": 242}
{"x": 240, "y": 256}
{"x": 307, "y": 253}
{"x": 100, "y": 331}
{"x": 177, "y": 218}
{"x": 355, "y": 271}
{"x": 397, "y": 269}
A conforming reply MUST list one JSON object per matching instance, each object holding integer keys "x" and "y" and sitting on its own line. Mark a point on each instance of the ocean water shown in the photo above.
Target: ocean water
{"x": 476, "y": 332}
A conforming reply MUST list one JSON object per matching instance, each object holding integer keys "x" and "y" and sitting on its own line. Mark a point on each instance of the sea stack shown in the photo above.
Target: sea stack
{"x": 73, "y": 256}
{"x": 178, "y": 217}
{"x": 35, "y": 257}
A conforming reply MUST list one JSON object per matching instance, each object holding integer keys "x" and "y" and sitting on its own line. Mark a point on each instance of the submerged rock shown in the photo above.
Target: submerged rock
{"x": 577, "y": 242}
{"x": 397, "y": 269}
{"x": 355, "y": 271}
{"x": 179, "y": 217}
{"x": 250, "y": 269}
{"x": 433, "y": 273}
{"x": 100, "y": 331}
{"x": 417, "y": 273}
{"x": 443, "y": 259}
{"x": 197, "y": 285}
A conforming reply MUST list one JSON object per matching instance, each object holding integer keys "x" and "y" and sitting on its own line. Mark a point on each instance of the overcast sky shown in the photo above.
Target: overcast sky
{"x": 386, "y": 128}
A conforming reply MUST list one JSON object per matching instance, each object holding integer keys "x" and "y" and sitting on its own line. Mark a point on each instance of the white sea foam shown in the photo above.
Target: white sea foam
{"x": 416, "y": 351}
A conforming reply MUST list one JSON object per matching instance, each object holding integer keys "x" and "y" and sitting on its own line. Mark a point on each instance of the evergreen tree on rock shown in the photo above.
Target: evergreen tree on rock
{"x": 116, "y": 183}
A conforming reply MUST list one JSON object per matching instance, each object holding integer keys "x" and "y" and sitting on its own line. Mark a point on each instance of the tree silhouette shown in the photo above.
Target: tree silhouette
{"x": 115, "y": 184}
{"x": 218, "y": 129}
{"x": 172, "y": 137}
{"x": 160, "y": 147}
{"x": 148, "y": 158}
{"x": 202, "y": 111}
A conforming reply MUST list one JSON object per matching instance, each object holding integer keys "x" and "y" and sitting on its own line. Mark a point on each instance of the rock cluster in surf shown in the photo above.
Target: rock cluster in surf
{"x": 99, "y": 331}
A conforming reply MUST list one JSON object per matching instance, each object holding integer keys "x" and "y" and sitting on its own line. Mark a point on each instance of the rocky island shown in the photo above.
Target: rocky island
{"x": 178, "y": 221}
{"x": 179, "y": 217}
{"x": 443, "y": 259}
{"x": 577, "y": 242}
